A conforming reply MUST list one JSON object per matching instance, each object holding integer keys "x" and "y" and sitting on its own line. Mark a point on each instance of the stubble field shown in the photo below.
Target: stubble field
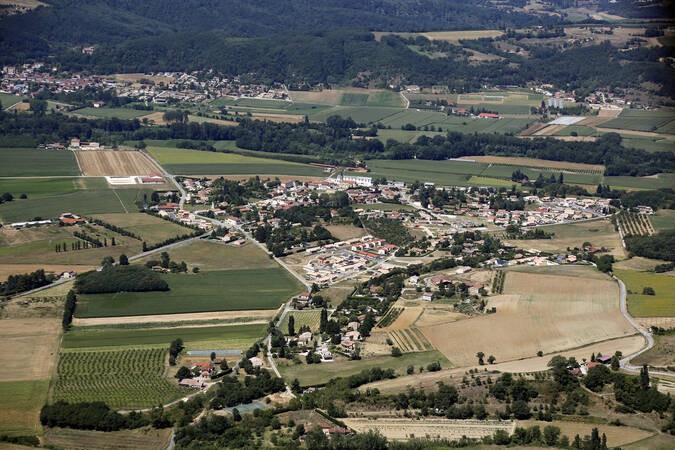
{"x": 115, "y": 163}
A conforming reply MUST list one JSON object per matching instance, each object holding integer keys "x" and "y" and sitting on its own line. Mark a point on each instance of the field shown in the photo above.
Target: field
{"x": 119, "y": 113}
{"x": 662, "y": 180}
{"x": 35, "y": 247}
{"x": 661, "y": 355}
{"x": 210, "y": 256}
{"x": 449, "y": 36}
{"x": 321, "y": 373}
{"x": 659, "y": 305}
{"x": 634, "y": 224}
{"x": 115, "y": 163}
{"x": 663, "y": 220}
{"x": 25, "y": 348}
{"x": 194, "y": 162}
{"x": 310, "y": 318}
{"x": 122, "y": 379}
{"x": 150, "y": 228}
{"x": 403, "y": 429}
{"x": 228, "y": 290}
{"x": 577, "y": 308}
{"x": 440, "y": 172}
{"x": 20, "y": 404}
{"x": 538, "y": 164}
{"x": 139, "y": 439}
{"x": 345, "y": 232}
{"x": 659, "y": 120}
{"x": 616, "y": 436}
{"x": 600, "y": 233}
{"x": 230, "y": 337}
{"x": 8, "y": 100}
{"x": 25, "y": 162}
{"x": 410, "y": 340}
{"x": 53, "y": 196}
{"x": 349, "y": 97}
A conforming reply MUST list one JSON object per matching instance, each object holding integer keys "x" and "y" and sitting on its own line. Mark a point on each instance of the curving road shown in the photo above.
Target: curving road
{"x": 625, "y": 361}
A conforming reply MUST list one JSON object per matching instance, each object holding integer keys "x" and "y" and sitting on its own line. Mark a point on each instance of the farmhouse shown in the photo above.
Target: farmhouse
{"x": 488, "y": 116}
{"x": 70, "y": 219}
{"x": 191, "y": 383}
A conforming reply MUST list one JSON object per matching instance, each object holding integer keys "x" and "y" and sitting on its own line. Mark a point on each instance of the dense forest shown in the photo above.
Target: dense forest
{"x": 120, "y": 279}
{"x": 658, "y": 246}
{"x": 87, "y": 22}
{"x": 358, "y": 58}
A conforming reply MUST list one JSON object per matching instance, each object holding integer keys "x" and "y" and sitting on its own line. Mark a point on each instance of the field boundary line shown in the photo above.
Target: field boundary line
{"x": 79, "y": 166}
{"x": 126, "y": 211}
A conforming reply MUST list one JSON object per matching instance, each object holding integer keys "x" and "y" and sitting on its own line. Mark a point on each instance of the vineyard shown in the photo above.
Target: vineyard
{"x": 498, "y": 282}
{"x": 410, "y": 340}
{"x": 634, "y": 224}
{"x": 122, "y": 379}
{"x": 390, "y": 317}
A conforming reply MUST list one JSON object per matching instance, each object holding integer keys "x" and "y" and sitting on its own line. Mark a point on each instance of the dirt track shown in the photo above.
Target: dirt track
{"x": 102, "y": 163}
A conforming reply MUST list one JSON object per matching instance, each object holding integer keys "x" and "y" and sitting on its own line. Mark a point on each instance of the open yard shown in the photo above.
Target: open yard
{"x": 549, "y": 310}
{"x": 150, "y": 228}
{"x": 225, "y": 290}
{"x": 230, "y": 337}
{"x": 216, "y": 255}
{"x": 321, "y": 373}
{"x": 115, "y": 163}
{"x": 659, "y": 305}
{"x": 121, "y": 378}
{"x": 20, "y": 404}
{"x": 25, "y": 162}
{"x": 195, "y": 162}
{"x": 53, "y": 196}
{"x": 600, "y": 233}
{"x": 310, "y": 318}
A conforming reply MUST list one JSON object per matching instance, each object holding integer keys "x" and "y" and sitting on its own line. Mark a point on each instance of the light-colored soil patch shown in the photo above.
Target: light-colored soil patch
{"x": 115, "y": 163}
{"x": 346, "y": 232}
{"x": 661, "y": 355}
{"x": 15, "y": 269}
{"x": 157, "y": 118}
{"x": 549, "y": 130}
{"x": 325, "y": 97}
{"x": 28, "y": 348}
{"x": 661, "y": 322}
{"x": 639, "y": 263}
{"x": 136, "y": 77}
{"x": 438, "y": 315}
{"x": 404, "y": 429}
{"x": 531, "y": 162}
{"x": 254, "y": 315}
{"x": 593, "y": 121}
{"x": 553, "y": 312}
{"x": 616, "y": 436}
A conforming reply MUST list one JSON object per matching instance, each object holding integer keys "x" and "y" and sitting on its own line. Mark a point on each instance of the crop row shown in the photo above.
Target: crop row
{"x": 498, "y": 282}
{"x": 390, "y": 317}
{"x": 121, "y": 378}
{"x": 635, "y": 224}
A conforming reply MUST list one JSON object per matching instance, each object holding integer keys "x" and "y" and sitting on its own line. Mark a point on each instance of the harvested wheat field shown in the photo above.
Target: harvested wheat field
{"x": 115, "y": 164}
{"x": 157, "y": 118}
{"x": 241, "y": 317}
{"x": 404, "y": 429}
{"x": 28, "y": 348}
{"x": 549, "y": 310}
{"x": 537, "y": 163}
{"x": 616, "y": 436}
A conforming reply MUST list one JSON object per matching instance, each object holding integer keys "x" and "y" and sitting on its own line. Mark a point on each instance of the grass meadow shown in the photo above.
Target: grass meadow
{"x": 231, "y": 337}
{"x": 659, "y": 120}
{"x": 229, "y": 290}
{"x": 659, "y": 305}
{"x": 119, "y": 113}
{"x": 195, "y": 162}
{"x": 27, "y": 162}
{"x": 321, "y": 373}
{"x": 310, "y": 318}
{"x": 20, "y": 404}
{"x": 151, "y": 229}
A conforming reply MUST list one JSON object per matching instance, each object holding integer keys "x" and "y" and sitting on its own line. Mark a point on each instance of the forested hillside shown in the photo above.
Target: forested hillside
{"x": 86, "y": 22}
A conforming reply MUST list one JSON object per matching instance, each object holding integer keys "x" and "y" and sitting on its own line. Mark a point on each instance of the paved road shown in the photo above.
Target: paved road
{"x": 625, "y": 361}
{"x": 169, "y": 176}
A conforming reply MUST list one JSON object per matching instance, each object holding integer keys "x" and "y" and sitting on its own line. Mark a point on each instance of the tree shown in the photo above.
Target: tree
{"x": 124, "y": 260}
{"x": 223, "y": 365}
{"x": 107, "y": 262}
{"x": 213, "y": 356}
{"x": 295, "y": 386}
{"x": 291, "y": 326}
{"x": 183, "y": 373}
{"x": 644, "y": 378}
{"x": 616, "y": 363}
{"x": 480, "y": 356}
{"x": 491, "y": 359}
{"x": 396, "y": 352}
{"x": 236, "y": 416}
{"x": 324, "y": 320}
{"x": 195, "y": 269}
{"x": 520, "y": 410}
{"x": 39, "y": 107}
{"x": 165, "y": 260}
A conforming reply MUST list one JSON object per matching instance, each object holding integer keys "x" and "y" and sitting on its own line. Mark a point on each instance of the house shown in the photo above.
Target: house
{"x": 353, "y": 325}
{"x": 348, "y": 345}
{"x": 68, "y": 275}
{"x": 488, "y": 116}
{"x": 325, "y": 354}
{"x": 191, "y": 383}
{"x": 304, "y": 338}
{"x": 70, "y": 219}
{"x": 203, "y": 366}
{"x": 256, "y": 362}
{"x": 353, "y": 335}
{"x": 603, "y": 359}
{"x": 303, "y": 296}
{"x": 428, "y": 296}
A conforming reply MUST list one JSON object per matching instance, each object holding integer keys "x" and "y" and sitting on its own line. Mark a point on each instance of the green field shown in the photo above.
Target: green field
{"x": 230, "y": 290}
{"x": 499, "y": 108}
{"x": 658, "y": 120}
{"x": 663, "y": 180}
{"x": 119, "y": 113}
{"x": 195, "y": 162}
{"x": 663, "y": 220}
{"x": 321, "y": 373}
{"x": 659, "y": 305}
{"x": 150, "y": 228}
{"x": 440, "y": 172}
{"x": 8, "y": 100}
{"x": 20, "y": 404}
{"x": 310, "y": 318}
{"x": 353, "y": 99}
{"x": 83, "y": 196}
{"x": 647, "y": 143}
{"x": 360, "y": 114}
{"x": 122, "y": 379}
{"x": 26, "y": 162}
{"x": 232, "y": 337}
